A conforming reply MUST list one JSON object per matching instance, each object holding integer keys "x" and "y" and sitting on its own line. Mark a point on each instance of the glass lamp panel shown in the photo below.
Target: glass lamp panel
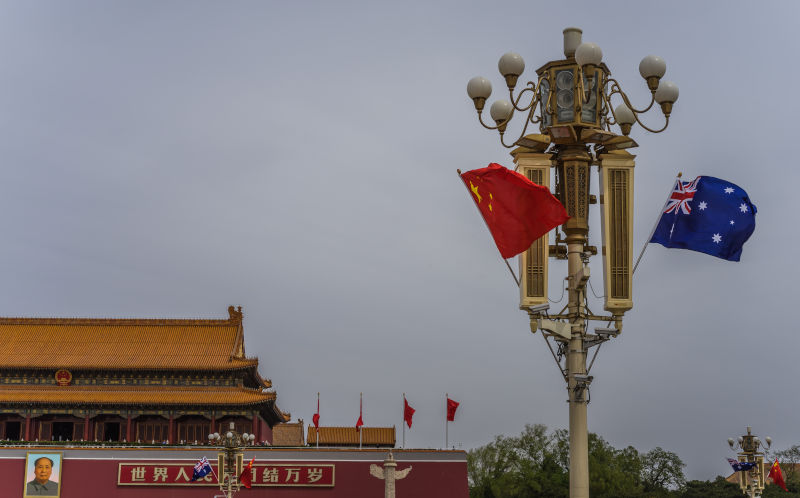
{"x": 565, "y": 95}
{"x": 544, "y": 95}
{"x": 589, "y": 109}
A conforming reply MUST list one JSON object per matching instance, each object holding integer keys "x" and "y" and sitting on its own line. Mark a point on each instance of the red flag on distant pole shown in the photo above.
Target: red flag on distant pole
{"x": 315, "y": 418}
{"x": 247, "y": 475}
{"x": 408, "y": 412}
{"x": 452, "y": 406}
{"x": 360, "y": 421}
{"x": 777, "y": 476}
{"x": 516, "y": 210}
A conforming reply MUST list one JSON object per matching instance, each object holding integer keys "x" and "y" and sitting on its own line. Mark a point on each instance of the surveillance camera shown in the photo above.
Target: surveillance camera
{"x": 606, "y": 332}
{"x": 562, "y": 329}
{"x": 541, "y": 308}
{"x": 583, "y": 276}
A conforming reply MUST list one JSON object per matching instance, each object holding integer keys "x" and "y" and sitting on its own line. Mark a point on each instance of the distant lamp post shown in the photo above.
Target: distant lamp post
{"x": 570, "y": 101}
{"x": 751, "y": 481}
{"x": 230, "y": 461}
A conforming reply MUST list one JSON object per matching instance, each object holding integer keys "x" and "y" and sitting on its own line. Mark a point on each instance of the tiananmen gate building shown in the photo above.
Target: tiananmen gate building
{"x": 124, "y": 407}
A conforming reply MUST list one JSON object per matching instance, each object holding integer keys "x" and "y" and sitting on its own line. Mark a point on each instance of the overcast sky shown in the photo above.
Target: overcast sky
{"x": 168, "y": 159}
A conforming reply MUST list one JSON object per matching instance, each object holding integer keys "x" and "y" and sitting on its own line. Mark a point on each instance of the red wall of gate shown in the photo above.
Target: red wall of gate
{"x": 94, "y": 473}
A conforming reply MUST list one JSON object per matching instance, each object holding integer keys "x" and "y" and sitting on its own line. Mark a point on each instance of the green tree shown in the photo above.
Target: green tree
{"x": 719, "y": 488}
{"x": 517, "y": 467}
{"x": 487, "y": 467}
{"x": 613, "y": 473}
{"x": 536, "y": 464}
{"x": 661, "y": 470}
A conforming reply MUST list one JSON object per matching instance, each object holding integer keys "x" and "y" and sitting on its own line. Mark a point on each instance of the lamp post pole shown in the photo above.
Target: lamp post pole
{"x": 751, "y": 481}
{"x": 571, "y": 102}
{"x": 230, "y": 461}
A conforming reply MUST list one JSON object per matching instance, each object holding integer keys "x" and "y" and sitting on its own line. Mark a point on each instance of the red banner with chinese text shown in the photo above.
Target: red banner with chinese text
{"x": 263, "y": 474}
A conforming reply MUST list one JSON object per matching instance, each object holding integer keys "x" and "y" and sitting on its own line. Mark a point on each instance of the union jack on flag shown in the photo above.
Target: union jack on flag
{"x": 201, "y": 468}
{"x": 680, "y": 197}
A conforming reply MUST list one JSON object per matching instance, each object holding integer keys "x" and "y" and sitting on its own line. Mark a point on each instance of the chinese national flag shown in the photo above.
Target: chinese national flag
{"x": 452, "y": 406}
{"x": 516, "y": 210}
{"x": 360, "y": 421}
{"x": 315, "y": 418}
{"x": 777, "y": 476}
{"x": 408, "y": 412}
{"x": 247, "y": 475}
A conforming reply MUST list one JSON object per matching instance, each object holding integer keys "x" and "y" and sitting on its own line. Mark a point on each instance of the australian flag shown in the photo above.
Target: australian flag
{"x": 707, "y": 215}
{"x": 738, "y": 466}
{"x": 201, "y": 468}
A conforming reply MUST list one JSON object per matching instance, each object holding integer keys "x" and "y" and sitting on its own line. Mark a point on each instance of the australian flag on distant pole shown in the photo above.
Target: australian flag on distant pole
{"x": 201, "y": 468}
{"x": 707, "y": 215}
{"x": 739, "y": 466}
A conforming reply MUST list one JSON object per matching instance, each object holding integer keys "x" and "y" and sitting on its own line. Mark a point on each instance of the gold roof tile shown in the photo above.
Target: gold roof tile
{"x": 86, "y": 343}
{"x": 348, "y": 436}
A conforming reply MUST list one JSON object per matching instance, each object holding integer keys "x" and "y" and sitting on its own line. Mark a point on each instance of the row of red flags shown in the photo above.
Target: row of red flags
{"x": 408, "y": 412}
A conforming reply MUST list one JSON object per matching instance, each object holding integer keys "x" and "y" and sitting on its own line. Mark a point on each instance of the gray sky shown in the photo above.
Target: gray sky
{"x": 167, "y": 159}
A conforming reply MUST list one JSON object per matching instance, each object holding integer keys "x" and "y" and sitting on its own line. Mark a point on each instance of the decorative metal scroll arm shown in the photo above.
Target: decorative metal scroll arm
{"x": 607, "y": 99}
{"x": 615, "y": 88}
{"x": 531, "y": 87}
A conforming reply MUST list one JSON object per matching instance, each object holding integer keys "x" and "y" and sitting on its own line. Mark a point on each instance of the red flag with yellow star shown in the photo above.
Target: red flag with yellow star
{"x": 516, "y": 210}
{"x": 246, "y": 478}
{"x": 777, "y": 476}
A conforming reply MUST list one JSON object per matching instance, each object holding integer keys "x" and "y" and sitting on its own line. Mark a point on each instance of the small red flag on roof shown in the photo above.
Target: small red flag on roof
{"x": 315, "y": 418}
{"x": 408, "y": 412}
{"x": 452, "y": 406}
{"x": 516, "y": 210}
{"x": 360, "y": 421}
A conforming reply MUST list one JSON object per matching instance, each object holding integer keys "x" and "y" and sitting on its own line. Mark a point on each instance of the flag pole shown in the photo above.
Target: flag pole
{"x": 404, "y": 420}
{"x": 446, "y": 442}
{"x": 513, "y": 275}
{"x": 317, "y": 424}
{"x": 360, "y": 409}
{"x": 655, "y": 225}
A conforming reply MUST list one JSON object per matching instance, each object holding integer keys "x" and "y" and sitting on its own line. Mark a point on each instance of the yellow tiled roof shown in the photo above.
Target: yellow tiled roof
{"x": 133, "y": 395}
{"x": 75, "y": 343}
{"x": 348, "y": 436}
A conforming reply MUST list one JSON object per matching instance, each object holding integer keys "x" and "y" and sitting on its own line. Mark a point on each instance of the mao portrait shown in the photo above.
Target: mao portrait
{"x": 43, "y": 474}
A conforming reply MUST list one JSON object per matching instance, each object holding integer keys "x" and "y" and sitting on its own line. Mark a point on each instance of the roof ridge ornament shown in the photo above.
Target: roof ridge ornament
{"x": 235, "y": 315}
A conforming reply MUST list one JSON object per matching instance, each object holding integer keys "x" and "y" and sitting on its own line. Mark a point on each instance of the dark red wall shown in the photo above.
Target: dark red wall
{"x": 93, "y": 474}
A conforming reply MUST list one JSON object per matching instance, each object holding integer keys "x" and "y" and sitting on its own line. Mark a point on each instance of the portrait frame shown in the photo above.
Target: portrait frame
{"x": 56, "y": 457}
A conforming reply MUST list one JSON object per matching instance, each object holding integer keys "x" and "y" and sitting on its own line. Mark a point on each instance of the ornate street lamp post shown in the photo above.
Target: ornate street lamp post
{"x": 571, "y": 102}
{"x": 751, "y": 481}
{"x": 230, "y": 461}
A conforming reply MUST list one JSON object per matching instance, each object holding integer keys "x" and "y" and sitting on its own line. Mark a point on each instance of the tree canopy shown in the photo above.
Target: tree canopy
{"x": 536, "y": 464}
